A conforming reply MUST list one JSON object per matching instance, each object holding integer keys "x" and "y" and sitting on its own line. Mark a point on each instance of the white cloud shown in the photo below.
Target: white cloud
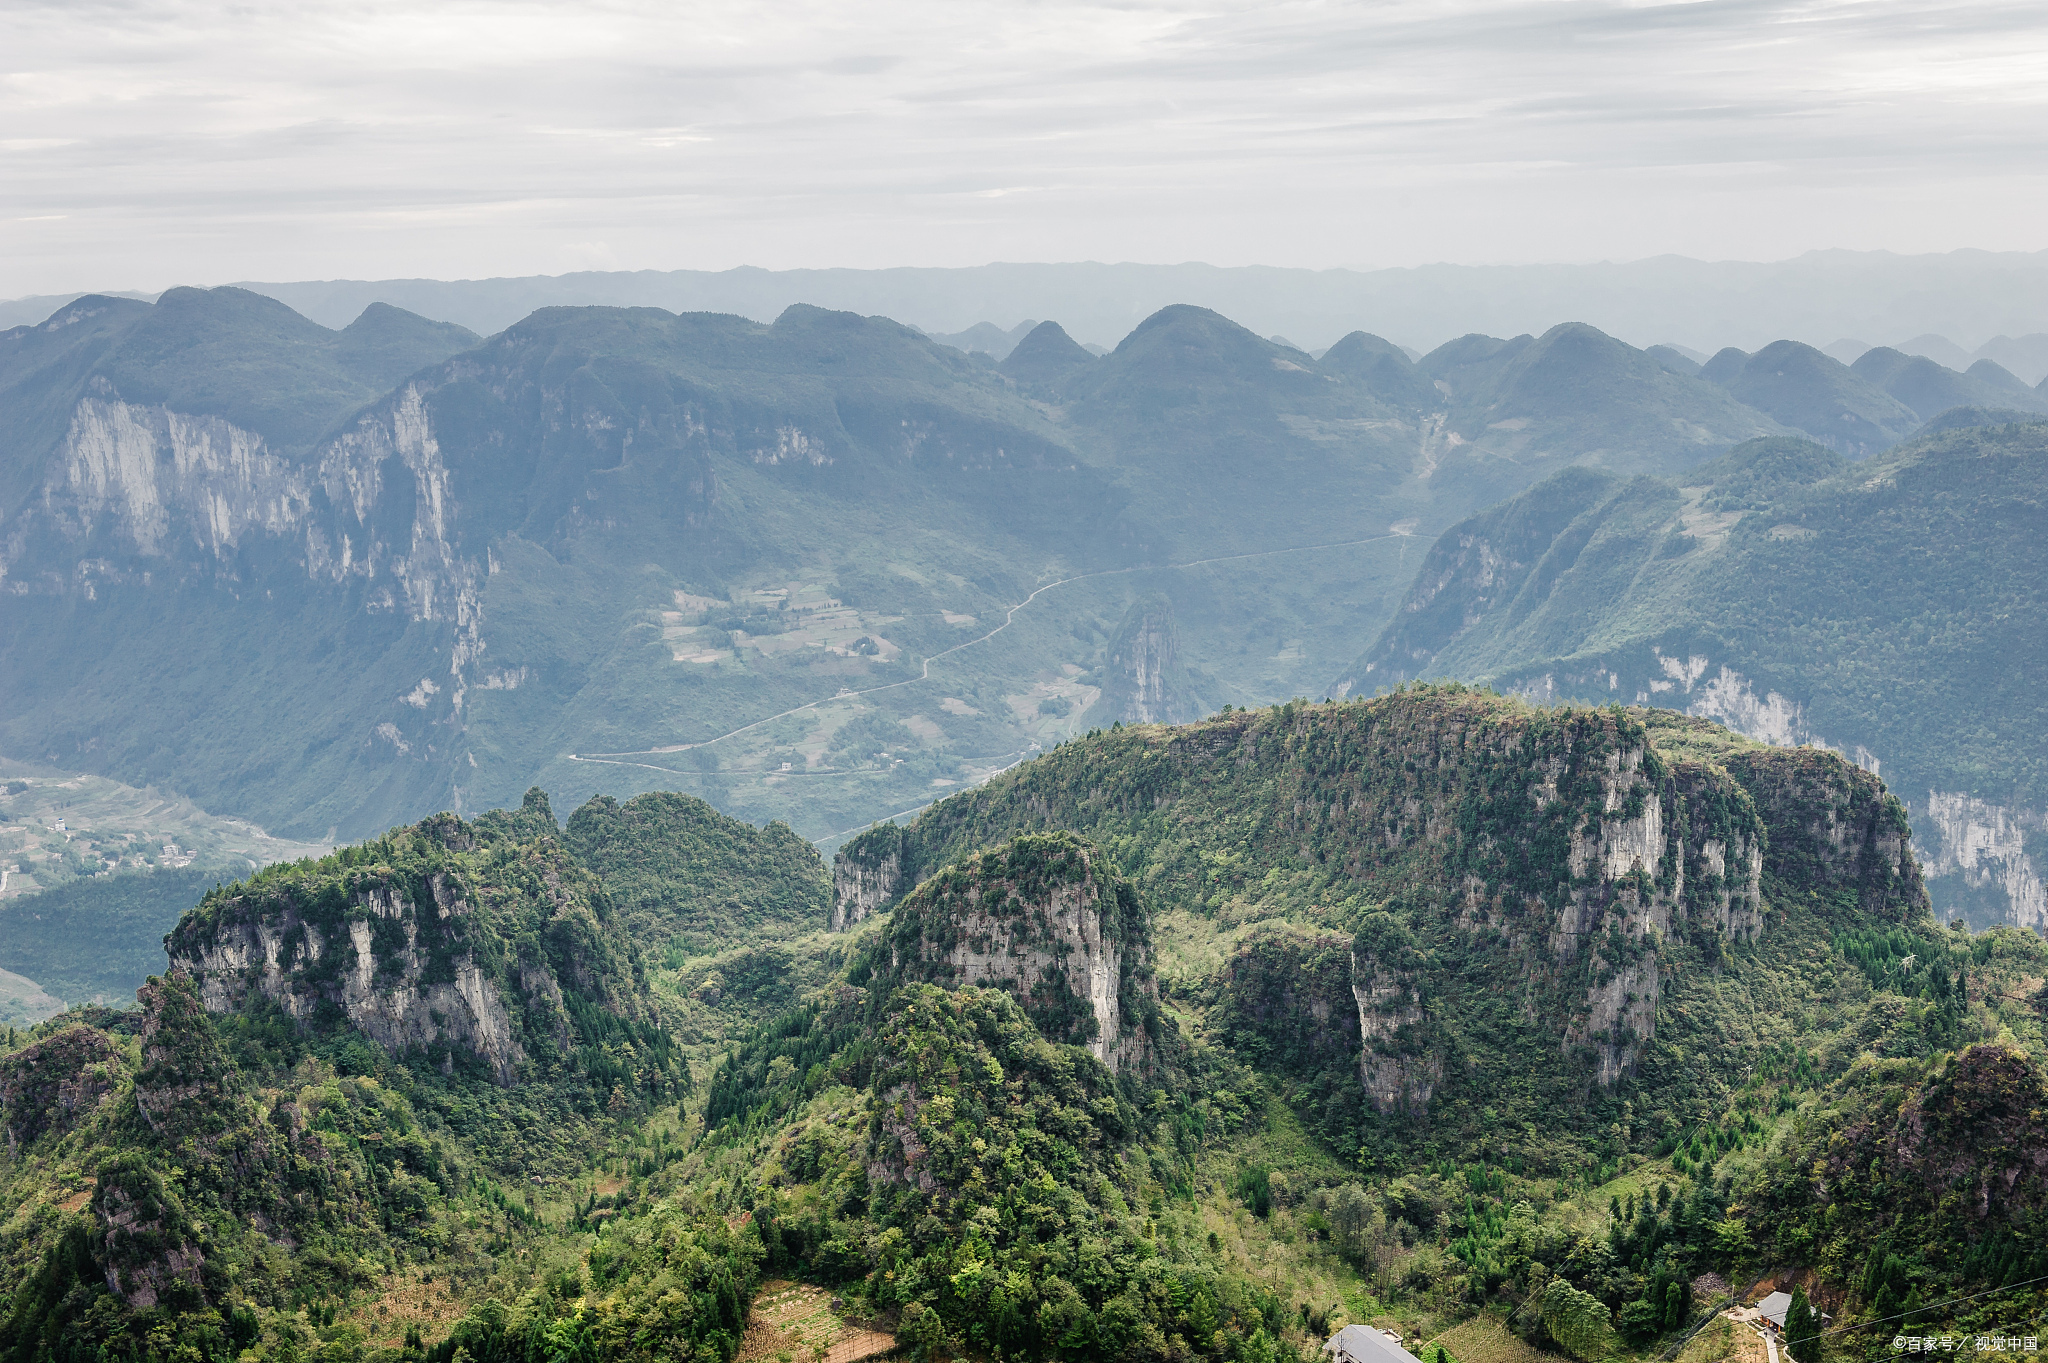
{"x": 186, "y": 142}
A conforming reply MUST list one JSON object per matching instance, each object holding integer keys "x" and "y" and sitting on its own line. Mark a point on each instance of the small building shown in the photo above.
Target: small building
{"x": 1362, "y": 1344}
{"x": 1772, "y": 1310}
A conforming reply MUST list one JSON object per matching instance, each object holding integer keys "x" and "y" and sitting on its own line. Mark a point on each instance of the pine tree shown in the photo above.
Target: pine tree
{"x": 1802, "y": 1329}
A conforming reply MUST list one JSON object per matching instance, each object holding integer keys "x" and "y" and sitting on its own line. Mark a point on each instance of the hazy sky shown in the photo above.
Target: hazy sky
{"x": 149, "y": 143}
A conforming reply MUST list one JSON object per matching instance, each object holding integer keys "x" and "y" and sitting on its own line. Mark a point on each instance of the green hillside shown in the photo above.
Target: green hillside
{"x": 1576, "y": 395}
{"x": 1313, "y": 868}
{"x": 680, "y": 873}
{"x": 1880, "y": 607}
{"x": 1435, "y": 1011}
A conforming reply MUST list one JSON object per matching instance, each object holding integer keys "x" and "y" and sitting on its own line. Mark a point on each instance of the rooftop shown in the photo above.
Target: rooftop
{"x": 1362, "y": 1344}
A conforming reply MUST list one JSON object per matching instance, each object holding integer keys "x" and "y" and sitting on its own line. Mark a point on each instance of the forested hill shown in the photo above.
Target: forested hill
{"x": 1885, "y": 608}
{"x": 1518, "y": 888}
{"x": 1454, "y": 932}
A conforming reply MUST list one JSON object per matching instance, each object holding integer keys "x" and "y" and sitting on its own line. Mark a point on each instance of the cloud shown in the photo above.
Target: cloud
{"x": 187, "y": 142}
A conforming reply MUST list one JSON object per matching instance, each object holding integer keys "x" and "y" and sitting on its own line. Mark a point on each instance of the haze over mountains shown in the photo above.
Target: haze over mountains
{"x": 1957, "y": 307}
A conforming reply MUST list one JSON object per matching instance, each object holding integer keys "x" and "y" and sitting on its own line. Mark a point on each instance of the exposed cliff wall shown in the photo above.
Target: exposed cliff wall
{"x": 439, "y": 940}
{"x": 867, "y": 875}
{"x": 1042, "y": 919}
{"x": 1145, "y": 680}
{"x": 1400, "y": 1059}
{"x": 1980, "y": 850}
{"x": 51, "y": 1086}
{"x": 1566, "y": 866}
{"x": 421, "y": 990}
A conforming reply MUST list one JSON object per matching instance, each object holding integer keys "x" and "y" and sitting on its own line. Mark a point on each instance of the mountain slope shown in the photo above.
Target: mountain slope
{"x": 1477, "y": 850}
{"x": 1645, "y": 999}
{"x": 1806, "y": 390}
{"x": 1876, "y": 607}
{"x": 1044, "y": 359}
{"x": 310, "y": 1118}
{"x": 1929, "y": 388}
{"x": 675, "y": 867}
{"x": 570, "y": 449}
{"x": 1577, "y": 394}
{"x": 1171, "y": 1044}
{"x": 813, "y": 571}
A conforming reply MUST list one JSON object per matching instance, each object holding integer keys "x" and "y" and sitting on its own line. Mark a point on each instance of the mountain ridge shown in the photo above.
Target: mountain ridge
{"x": 1737, "y": 597}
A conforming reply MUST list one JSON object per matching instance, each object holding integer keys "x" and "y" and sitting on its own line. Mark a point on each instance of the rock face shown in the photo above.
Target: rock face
{"x": 867, "y": 875}
{"x": 50, "y": 1087}
{"x": 1043, "y": 920}
{"x": 424, "y": 988}
{"x": 1980, "y": 849}
{"x": 151, "y": 1247}
{"x": 1397, "y": 1063}
{"x": 1144, "y": 679}
{"x": 1557, "y": 871}
{"x": 407, "y": 951}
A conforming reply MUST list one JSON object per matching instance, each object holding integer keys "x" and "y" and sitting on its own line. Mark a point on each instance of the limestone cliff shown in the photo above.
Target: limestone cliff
{"x": 1145, "y": 680}
{"x": 1045, "y": 920}
{"x": 1559, "y": 871}
{"x": 867, "y": 875}
{"x": 425, "y": 989}
{"x": 439, "y": 941}
{"x": 1986, "y": 853}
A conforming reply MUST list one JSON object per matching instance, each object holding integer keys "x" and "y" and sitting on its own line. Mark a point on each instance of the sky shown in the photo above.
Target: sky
{"x": 160, "y": 142}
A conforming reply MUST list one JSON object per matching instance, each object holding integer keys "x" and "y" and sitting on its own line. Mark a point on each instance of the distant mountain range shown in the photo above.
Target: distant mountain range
{"x": 821, "y": 570}
{"x": 1935, "y": 300}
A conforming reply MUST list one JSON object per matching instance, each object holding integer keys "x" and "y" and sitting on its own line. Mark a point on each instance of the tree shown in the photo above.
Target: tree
{"x": 922, "y": 1330}
{"x": 1577, "y": 1320}
{"x": 1350, "y": 1214}
{"x": 1802, "y": 1329}
{"x": 1640, "y": 1322}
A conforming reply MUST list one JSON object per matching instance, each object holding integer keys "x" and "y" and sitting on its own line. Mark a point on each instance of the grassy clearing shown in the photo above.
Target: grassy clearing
{"x": 1484, "y": 1339}
{"x": 1725, "y": 1341}
{"x": 795, "y": 1323}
